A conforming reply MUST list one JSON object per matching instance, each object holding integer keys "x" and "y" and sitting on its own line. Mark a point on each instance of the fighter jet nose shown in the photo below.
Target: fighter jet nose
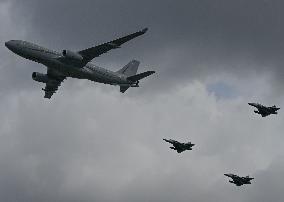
{"x": 252, "y": 104}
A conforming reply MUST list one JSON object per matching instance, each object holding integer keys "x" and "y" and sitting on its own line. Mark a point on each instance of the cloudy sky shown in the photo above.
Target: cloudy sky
{"x": 91, "y": 143}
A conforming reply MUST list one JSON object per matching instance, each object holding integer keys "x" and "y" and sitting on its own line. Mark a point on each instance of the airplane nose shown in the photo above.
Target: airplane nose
{"x": 9, "y": 44}
{"x": 12, "y": 45}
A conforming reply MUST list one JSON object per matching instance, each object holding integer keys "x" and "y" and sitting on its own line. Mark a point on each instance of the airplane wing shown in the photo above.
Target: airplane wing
{"x": 91, "y": 53}
{"x": 52, "y": 86}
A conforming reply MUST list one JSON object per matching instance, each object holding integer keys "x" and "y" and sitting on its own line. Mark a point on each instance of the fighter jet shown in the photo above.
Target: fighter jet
{"x": 178, "y": 146}
{"x": 239, "y": 181}
{"x": 263, "y": 110}
{"x": 61, "y": 65}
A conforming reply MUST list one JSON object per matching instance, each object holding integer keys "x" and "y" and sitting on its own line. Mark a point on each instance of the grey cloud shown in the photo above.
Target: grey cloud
{"x": 13, "y": 70}
{"x": 90, "y": 143}
{"x": 271, "y": 177}
{"x": 90, "y": 153}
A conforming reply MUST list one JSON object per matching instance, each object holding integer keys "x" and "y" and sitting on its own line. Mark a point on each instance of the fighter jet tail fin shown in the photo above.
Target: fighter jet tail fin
{"x": 130, "y": 69}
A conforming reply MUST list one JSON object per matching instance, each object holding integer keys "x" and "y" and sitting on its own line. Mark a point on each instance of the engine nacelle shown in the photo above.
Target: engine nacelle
{"x": 39, "y": 77}
{"x": 72, "y": 55}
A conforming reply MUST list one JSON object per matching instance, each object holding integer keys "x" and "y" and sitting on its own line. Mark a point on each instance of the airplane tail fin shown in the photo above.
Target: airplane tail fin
{"x": 130, "y": 69}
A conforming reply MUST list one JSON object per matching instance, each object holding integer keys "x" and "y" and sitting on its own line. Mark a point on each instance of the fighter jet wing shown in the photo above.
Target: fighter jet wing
{"x": 238, "y": 184}
{"x": 237, "y": 180}
{"x": 90, "y": 53}
{"x": 52, "y": 86}
{"x": 180, "y": 150}
{"x": 264, "y": 112}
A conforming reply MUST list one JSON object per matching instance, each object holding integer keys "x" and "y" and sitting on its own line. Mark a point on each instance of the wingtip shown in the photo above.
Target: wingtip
{"x": 144, "y": 30}
{"x": 134, "y": 60}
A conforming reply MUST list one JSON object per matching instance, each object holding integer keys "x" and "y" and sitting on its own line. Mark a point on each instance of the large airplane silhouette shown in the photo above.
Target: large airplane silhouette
{"x": 61, "y": 65}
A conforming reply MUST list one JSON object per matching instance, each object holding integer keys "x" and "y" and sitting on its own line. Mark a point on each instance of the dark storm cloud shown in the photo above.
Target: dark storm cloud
{"x": 186, "y": 39}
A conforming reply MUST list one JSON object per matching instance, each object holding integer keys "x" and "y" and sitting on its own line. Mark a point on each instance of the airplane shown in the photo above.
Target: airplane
{"x": 239, "y": 181}
{"x": 263, "y": 110}
{"x": 61, "y": 65}
{"x": 178, "y": 146}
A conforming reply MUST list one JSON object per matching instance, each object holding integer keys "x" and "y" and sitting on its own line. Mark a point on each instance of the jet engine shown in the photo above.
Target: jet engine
{"x": 39, "y": 77}
{"x": 72, "y": 55}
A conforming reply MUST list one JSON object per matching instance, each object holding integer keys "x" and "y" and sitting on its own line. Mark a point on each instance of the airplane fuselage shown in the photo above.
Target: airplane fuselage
{"x": 51, "y": 59}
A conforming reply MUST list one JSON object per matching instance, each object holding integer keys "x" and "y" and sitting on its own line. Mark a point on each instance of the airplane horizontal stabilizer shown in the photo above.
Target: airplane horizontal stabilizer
{"x": 138, "y": 77}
